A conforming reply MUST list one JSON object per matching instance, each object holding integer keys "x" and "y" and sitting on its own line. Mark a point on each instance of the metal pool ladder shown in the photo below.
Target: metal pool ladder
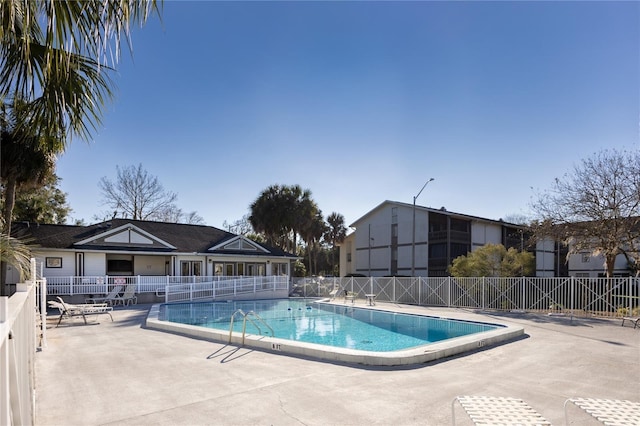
{"x": 245, "y": 317}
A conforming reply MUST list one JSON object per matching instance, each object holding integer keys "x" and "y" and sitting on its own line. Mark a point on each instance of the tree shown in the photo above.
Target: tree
{"x": 15, "y": 253}
{"x": 336, "y": 233}
{"x": 267, "y": 214}
{"x": 280, "y": 213}
{"x": 239, "y": 227}
{"x": 42, "y": 204}
{"x": 493, "y": 260}
{"x": 53, "y": 78}
{"x": 56, "y": 56}
{"x": 175, "y": 214}
{"x": 138, "y": 195}
{"x": 27, "y": 159}
{"x": 595, "y": 207}
{"x": 312, "y": 232}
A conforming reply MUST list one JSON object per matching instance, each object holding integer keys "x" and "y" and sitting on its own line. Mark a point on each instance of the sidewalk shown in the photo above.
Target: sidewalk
{"x": 123, "y": 374}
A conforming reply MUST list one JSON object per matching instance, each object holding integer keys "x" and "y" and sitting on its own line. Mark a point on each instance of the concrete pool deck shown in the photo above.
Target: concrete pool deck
{"x": 121, "y": 373}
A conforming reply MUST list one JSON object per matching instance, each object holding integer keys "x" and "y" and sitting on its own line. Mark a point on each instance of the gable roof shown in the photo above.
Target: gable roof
{"x": 139, "y": 235}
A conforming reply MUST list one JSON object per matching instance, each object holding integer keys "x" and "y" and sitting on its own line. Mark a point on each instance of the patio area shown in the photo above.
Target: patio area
{"x": 123, "y": 374}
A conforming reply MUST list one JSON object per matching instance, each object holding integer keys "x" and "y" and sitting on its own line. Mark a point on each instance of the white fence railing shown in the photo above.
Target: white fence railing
{"x": 18, "y": 340}
{"x": 258, "y": 286}
{"x": 607, "y": 297}
{"x": 175, "y": 288}
{"x": 92, "y": 285}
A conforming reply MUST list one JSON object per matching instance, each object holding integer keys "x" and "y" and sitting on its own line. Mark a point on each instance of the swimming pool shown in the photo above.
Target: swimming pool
{"x": 330, "y": 331}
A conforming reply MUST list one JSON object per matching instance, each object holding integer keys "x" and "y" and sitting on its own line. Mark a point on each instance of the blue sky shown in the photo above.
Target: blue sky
{"x": 361, "y": 102}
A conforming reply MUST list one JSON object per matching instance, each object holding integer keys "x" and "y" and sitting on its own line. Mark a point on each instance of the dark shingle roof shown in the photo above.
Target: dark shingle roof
{"x": 185, "y": 238}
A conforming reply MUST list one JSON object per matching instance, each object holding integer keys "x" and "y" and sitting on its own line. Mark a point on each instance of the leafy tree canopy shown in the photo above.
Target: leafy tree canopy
{"x": 282, "y": 213}
{"x": 42, "y": 204}
{"x": 493, "y": 260}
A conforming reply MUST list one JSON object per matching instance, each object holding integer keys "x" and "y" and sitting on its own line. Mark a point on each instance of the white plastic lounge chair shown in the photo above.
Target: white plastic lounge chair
{"x": 109, "y": 298}
{"x": 68, "y": 310}
{"x": 634, "y": 320}
{"x": 607, "y": 411}
{"x": 333, "y": 293}
{"x": 129, "y": 295}
{"x": 490, "y": 410}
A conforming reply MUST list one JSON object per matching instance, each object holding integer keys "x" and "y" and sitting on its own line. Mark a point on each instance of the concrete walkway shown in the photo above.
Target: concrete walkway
{"x": 123, "y": 374}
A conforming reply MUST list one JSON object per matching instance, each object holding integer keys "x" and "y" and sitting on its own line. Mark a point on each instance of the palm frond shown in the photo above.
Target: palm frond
{"x": 15, "y": 253}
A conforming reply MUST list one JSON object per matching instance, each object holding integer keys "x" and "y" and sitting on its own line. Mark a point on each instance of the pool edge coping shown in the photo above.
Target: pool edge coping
{"x": 417, "y": 355}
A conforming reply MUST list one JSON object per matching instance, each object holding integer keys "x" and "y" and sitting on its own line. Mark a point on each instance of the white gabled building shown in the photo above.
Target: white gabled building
{"x": 125, "y": 247}
{"x": 381, "y": 243}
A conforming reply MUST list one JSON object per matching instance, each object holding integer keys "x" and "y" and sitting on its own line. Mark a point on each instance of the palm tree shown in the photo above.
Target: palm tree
{"x": 281, "y": 212}
{"x": 302, "y": 210}
{"x": 26, "y": 158}
{"x": 54, "y": 59}
{"x": 336, "y": 233}
{"x": 55, "y": 55}
{"x": 267, "y": 214}
{"x": 15, "y": 253}
{"x": 312, "y": 233}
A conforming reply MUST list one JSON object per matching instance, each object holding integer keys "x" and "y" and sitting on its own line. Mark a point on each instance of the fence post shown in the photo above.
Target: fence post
{"x": 43, "y": 312}
{"x": 524, "y": 295}
{"x": 138, "y": 284}
{"x": 419, "y": 288}
{"x": 190, "y": 292}
{"x": 629, "y": 298}
{"x": 71, "y": 286}
{"x": 483, "y": 293}
{"x": 573, "y": 292}
{"x": 5, "y": 396}
{"x": 449, "y": 291}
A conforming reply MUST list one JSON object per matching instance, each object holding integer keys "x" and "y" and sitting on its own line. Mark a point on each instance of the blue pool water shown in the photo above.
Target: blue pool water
{"x": 325, "y": 324}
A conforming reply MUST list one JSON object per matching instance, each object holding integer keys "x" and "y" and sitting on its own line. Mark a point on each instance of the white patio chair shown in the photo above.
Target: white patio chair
{"x": 68, "y": 310}
{"x": 112, "y": 296}
{"x": 490, "y": 410}
{"x": 611, "y": 412}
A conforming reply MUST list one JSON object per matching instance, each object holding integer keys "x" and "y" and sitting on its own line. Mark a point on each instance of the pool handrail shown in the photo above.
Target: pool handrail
{"x": 246, "y": 316}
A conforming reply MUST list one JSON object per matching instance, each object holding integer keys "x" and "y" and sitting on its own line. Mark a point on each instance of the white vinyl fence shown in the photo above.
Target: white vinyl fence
{"x": 258, "y": 287}
{"x": 18, "y": 341}
{"x": 175, "y": 288}
{"x": 606, "y": 297}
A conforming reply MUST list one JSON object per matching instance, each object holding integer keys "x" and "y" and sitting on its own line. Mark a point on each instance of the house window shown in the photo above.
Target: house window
{"x": 280, "y": 269}
{"x": 218, "y": 269}
{"x": 229, "y": 269}
{"x": 585, "y": 257}
{"x": 190, "y": 267}
{"x": 240, "y": 268}
{"x": 255, "y": 269}
{"x": 394, "y": 215}
{"x": 348, "y": 257}
{"x": 120, "y": 266}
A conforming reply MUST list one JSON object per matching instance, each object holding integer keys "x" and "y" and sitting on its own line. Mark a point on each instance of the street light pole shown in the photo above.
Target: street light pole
{"x": 370, "y": 239}
{"x": 413, "y": 232}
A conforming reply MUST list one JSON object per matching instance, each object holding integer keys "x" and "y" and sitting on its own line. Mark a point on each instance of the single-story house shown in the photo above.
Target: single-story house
{"x": 125, "y": 247}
